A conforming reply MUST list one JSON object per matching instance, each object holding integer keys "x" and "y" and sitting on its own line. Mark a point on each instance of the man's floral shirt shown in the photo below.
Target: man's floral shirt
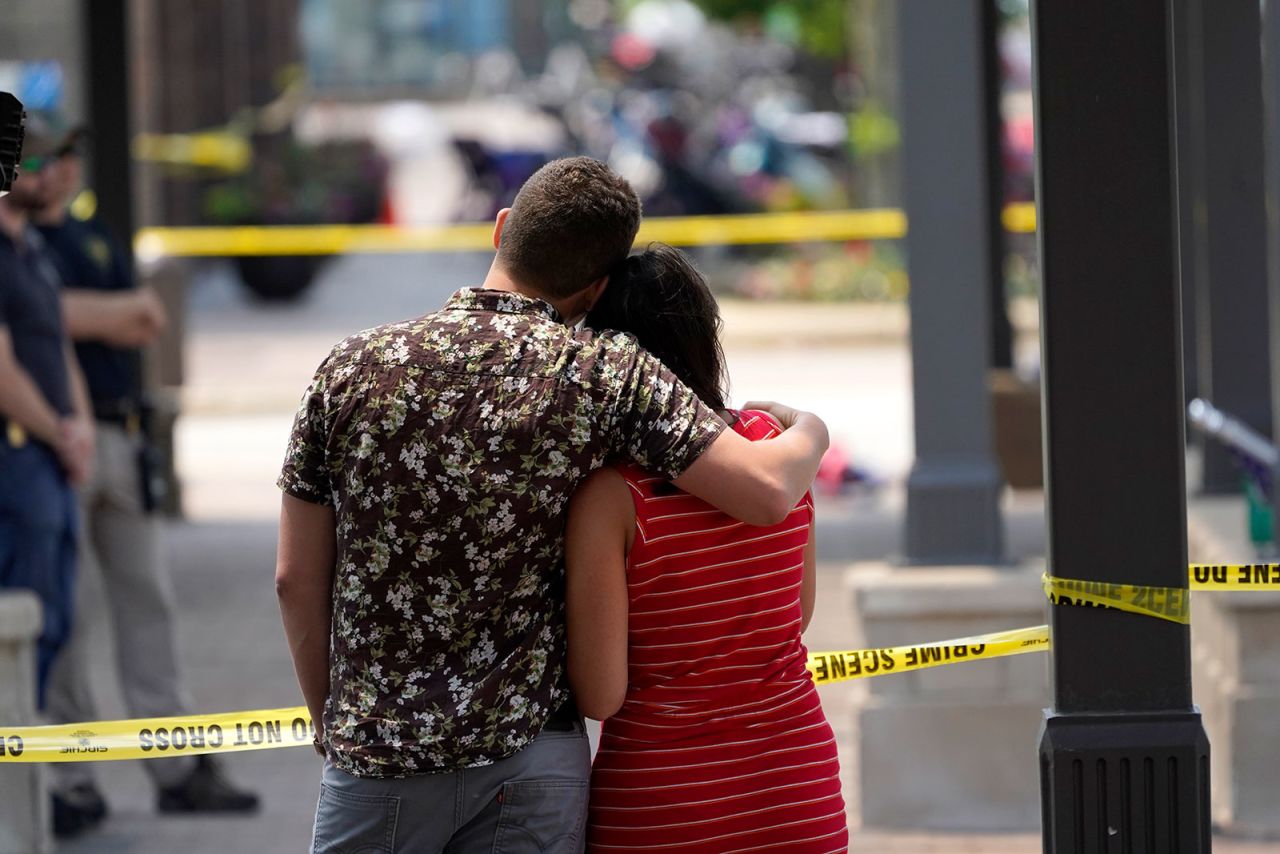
{"x": 448, "y": 447}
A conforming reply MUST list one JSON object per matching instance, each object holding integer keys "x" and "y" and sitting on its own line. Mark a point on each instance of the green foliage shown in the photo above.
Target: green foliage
{"x": 819, "y": 26}
{"x": 873, "y": 131}
{"x": 336, "y": 182}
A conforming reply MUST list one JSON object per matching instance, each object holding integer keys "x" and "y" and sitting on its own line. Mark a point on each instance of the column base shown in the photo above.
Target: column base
{"x": 1135, "y": 782}
{"x": 953, "y": 514}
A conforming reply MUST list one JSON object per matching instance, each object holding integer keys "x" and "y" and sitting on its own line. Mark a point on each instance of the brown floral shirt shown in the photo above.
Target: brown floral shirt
{"x": 449, "y": 446}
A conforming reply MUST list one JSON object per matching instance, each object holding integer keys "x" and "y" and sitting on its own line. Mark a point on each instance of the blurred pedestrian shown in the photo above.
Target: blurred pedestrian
{"x": 420, "y": 570}
{"x": 48, "y": 429}
{"x": 110, "y": 318}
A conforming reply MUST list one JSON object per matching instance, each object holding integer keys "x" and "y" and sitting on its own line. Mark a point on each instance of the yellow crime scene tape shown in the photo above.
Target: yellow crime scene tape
{"x": 1165, "y": 603}
{"x": 735, "y": 229}
{"x": 828, "y": 667}
{"x": 154, "y": 738}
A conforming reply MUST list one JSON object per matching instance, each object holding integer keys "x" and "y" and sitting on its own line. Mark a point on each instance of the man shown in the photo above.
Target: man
{"x": 110, "y": 319}
{"x": 48, "y": 432}
{"x": 421, "y": 541}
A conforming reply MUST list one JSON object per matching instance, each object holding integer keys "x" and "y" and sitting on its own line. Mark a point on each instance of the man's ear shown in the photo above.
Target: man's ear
{"x": 497, "y": 226}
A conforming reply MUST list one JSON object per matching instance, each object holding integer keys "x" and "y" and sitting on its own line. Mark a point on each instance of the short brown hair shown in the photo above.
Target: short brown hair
{"x": 571, "y": 222}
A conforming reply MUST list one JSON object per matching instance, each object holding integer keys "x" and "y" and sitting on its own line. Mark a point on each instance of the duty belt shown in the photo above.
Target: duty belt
{"x": 121, "y": 412}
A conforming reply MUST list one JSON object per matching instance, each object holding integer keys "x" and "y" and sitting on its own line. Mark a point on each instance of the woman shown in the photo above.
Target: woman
{"x": 684, "y": 627}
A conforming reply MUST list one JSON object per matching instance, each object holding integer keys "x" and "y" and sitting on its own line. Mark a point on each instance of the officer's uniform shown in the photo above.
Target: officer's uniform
{"x": 37, "y": 504}
{"x": 121, "y": 542}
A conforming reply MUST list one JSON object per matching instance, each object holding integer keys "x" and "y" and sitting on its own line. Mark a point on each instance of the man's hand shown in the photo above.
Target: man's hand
{"x": 760, "y": 483}
{"x": 75, "y": 448}
{"x": 141, "y": 319}
{"x": 785, "y": 415}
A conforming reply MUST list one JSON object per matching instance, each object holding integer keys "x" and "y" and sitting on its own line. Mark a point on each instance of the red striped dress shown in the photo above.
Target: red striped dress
{"x": 721, "y": 744}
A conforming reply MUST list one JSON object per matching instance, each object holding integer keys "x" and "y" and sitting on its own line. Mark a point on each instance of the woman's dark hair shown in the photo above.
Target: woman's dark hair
{"x": 660, "y": 298}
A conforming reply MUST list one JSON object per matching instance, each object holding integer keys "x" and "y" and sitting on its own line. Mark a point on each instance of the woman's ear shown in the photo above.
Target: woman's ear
{"x": 497, "y": 226}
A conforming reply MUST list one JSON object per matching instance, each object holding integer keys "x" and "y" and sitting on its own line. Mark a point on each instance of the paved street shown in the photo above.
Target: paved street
{"x": 247, "y": 366}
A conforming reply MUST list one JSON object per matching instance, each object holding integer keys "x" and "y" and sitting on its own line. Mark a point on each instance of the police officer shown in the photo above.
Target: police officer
{"x": 110, "y": 319}
{"x": 48, "y": 442}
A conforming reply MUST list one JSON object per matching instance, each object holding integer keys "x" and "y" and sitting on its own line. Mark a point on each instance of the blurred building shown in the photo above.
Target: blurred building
{"x": 197, "y": 64}
{"x": 385, "y": 47}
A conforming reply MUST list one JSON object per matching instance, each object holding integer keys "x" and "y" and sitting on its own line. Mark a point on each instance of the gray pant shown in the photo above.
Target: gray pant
{"x": 121, "y": 572}
{"x": 534, "y": 801}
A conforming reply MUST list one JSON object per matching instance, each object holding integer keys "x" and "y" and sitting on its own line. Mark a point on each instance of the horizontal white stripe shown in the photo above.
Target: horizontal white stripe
{"x": 720, "y": 800}
{"x": 752, "y": 665}
{"x": 718, "y": 745}
{"x": 689, "y": 515}
{"x": 772, "y": 535}
{"x": 792, "y": 843}
{"x": 685, "y": 766}
{"x": 741, "y": 616}
{"x": 677, "y": 682}
{"x": 714, "y": 782}
{"x": 744, "y": 579}
{"x": 696, "y": 532}
{"x": 720, "y": 716}
{"x": 633, "y": 588}
{"x": 704, "y": 641}
{"x": 703, "y": 606}
{"x": 667, "y": 710}
{"x": 735, "y": 816}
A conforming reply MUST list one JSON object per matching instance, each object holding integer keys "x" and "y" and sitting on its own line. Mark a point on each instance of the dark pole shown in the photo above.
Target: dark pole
{"x": 1222, "y": 45}
{"x": 993, "y": 85}
{"x": 1124, "y": 758}
{"x": 1271, "y": 95}
{"x": 1189, "y": 83}
{"x": 106, "y": 44}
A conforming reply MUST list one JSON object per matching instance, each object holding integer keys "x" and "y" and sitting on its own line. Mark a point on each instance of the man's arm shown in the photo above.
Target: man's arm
{"x": 663, "y": 426}
{"x": 304, "y": 586}
{"x": 759, "y": 482}
{"x": 126, "y": 319}
{"x": 21, "y": 400}
{"x": 78, "y": 430}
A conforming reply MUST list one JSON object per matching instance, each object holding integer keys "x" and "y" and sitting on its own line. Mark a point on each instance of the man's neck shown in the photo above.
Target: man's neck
{"x": 497, "y": 279}
{"x": 52, "y": 215}
{"x": 13, "y": 222}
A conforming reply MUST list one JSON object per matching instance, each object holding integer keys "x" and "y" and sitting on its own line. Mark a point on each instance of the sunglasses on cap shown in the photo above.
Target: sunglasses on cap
{"x": 33, "y": 164}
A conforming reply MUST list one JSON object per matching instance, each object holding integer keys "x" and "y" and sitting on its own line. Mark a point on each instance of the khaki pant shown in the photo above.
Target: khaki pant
{"x": 123, "y": 575}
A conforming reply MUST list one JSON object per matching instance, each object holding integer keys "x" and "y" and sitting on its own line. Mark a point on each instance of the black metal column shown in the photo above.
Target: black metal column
{"x": 1189, "y": 85}
{"x": 993, "y": 91}
{"x": 1271, "y": 96}
{"x": 106, "y": 45}
{"x": 1220, "y": 159}
{"x": 1124, "y": 759}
